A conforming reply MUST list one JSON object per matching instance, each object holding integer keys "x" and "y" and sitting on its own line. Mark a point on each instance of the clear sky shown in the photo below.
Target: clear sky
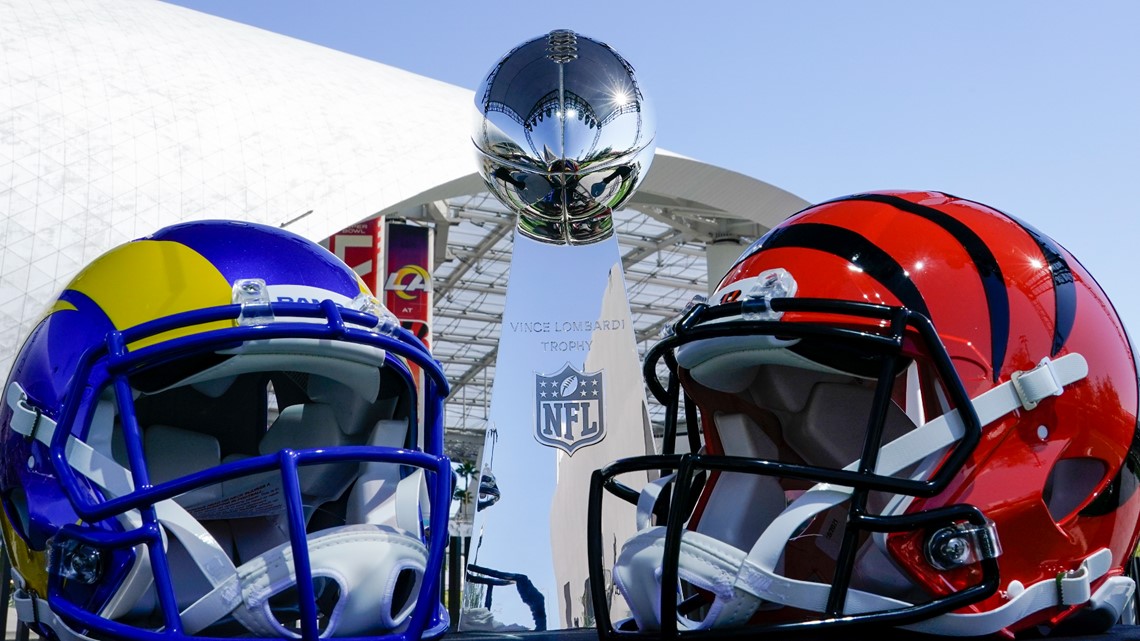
{"x": 1030, "y": 106}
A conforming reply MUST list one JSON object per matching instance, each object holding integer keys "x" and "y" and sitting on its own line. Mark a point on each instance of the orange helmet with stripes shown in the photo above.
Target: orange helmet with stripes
{"x": 908, "y": 408}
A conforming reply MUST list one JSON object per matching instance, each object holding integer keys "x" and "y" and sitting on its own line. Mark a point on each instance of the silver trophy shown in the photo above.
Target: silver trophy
{"x": 564, "y": 136}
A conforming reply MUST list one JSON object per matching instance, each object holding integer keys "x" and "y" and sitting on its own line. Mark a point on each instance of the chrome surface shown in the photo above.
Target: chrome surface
{"x": 564, "y": 134}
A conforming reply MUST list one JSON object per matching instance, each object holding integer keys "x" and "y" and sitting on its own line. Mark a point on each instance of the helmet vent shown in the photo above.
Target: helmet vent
{"x": 1071, "y": 482}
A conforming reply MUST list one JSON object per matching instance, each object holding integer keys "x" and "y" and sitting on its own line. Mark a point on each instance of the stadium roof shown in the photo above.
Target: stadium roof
{"x": 118, "y": 117}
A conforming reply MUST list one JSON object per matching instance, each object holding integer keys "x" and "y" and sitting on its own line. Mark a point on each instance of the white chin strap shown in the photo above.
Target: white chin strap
{"x": 741, "y": 582}
{"x": 378, "y": 569}
{"x": 366, "y": 562}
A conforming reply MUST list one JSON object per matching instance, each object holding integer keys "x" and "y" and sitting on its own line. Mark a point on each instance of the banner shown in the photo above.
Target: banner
{"x": 359, "y": 246}
{"x": 407, "y": 282}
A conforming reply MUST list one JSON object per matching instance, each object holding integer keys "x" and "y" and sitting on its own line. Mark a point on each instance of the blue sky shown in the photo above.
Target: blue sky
{"x": 1033, "y": 107}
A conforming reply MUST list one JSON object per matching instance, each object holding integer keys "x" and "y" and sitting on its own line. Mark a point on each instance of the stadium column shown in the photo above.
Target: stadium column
{"x": 720, "y": 255}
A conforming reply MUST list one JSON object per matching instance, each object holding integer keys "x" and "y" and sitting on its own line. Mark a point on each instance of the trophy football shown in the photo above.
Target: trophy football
{"x": 563, "y": 136}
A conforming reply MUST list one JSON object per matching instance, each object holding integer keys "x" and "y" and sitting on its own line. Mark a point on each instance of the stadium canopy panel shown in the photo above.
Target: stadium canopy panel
{"x": 118, "y": 117}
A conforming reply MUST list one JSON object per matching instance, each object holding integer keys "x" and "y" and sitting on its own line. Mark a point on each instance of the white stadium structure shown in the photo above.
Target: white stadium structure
{"x": 118, "y": 117}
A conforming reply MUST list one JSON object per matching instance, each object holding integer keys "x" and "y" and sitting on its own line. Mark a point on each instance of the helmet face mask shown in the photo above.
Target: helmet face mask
{"x": 834, "y": 391}
{"x": 862, "y": 450}
{"x": 792, "y": 417}
{"x": 248, "y": 468}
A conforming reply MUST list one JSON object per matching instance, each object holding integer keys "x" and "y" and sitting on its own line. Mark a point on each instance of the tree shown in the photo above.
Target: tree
{"x": 465, "y": 469}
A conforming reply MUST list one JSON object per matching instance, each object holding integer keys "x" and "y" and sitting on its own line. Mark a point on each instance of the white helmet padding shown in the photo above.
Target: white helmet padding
{"x": 830, "y": 429}
{"x": 377, "y": 569}
{"x": 311, "y": 425}
{"x": 380, "y": 495}
{"x": 705, "y": 563}
{"x": 172, "y": 453}
{"x": 820, "y": 414}
{"x": 728, "y": 363}
{"x": 350, "y": 364}
{"x": 743, "y": 503}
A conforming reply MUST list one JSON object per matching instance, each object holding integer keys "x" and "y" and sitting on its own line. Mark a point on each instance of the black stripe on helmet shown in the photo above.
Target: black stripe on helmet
{"x": 1064, "y": 284}
{"x": 853, "y": 247}
{"x": 993, "y": 283}
{"x": 1064, "y": 287}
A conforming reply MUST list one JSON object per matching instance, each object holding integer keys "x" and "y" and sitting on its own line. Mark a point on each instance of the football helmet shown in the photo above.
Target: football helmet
{"x": 215, "y": 431}
{"x": 903, "y": 408}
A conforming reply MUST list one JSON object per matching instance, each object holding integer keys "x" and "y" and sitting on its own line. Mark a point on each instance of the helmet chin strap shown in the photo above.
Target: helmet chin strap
{"x": 741, "y": 582}
{"x": 366, "y": 561}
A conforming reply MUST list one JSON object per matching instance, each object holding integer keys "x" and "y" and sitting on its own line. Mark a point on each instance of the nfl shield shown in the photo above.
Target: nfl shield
{"x": 569, "y": 409}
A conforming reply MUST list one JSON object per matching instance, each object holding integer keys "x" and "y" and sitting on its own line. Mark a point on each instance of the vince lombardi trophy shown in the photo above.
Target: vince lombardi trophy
{"x": 563, "y": 136}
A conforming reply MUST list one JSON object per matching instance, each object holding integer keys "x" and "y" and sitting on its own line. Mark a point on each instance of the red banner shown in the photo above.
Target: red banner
{"x": 407, "y": 286}
{"x": 359, "y": 247}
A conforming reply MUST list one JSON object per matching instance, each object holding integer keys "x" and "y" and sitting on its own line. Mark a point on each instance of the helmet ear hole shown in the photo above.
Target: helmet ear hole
{"x": 284, "y": 604}
{"x": 17, "y": 505}
{"x": 1071, "y": 482}
{"x": 403, "y": 592}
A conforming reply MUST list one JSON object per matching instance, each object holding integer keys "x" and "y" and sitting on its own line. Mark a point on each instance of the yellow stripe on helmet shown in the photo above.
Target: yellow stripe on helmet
{"x": 149, "y": 279}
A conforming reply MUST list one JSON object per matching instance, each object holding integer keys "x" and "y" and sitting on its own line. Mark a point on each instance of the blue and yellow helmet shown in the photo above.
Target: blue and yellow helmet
{"x": 215, "y": 432}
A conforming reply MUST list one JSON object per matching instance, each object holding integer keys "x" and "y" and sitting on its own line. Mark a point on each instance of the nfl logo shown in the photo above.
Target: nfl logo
{"x": 569, "y": 410}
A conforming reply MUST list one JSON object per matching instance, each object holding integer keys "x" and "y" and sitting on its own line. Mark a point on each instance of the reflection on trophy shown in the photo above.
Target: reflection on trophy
{"x": 563, "y": 138}
{"x": 564, "y": 135}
